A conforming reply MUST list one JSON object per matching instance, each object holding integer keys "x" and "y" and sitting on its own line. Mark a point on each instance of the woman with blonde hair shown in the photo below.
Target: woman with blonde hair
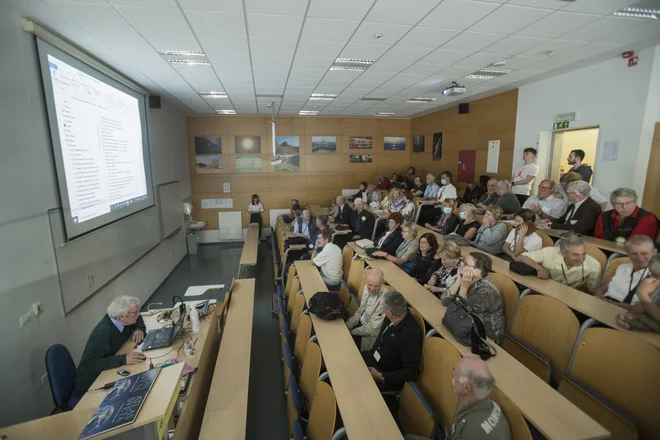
{"x": 448, "y": 221}
{"x": 443, "y": 278}
{"x": 492, "y": 233}
{"x": 405, "y": 253}
{"x": 394, "y": 202}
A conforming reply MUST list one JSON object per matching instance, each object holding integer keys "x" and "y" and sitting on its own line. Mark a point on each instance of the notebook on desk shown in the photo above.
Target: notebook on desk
{"x": 365, "y": 243}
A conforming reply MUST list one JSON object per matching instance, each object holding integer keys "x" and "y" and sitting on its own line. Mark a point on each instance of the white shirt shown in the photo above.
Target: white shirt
{"x": 531, "y": 242}
{"x": 552, "y": 206}
{"x": 447, "y": 192}
{"x": 329, "y": 262}
{"x": 620, "y": 284}
{"x": 380, "y": 242}
{"x": 572, "y": 214}
{"x": 522, "y": 172}
{"x": 255, "y": 209}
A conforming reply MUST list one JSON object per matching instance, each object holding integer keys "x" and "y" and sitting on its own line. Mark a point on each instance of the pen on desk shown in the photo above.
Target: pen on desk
{"x": 194, "y": 343}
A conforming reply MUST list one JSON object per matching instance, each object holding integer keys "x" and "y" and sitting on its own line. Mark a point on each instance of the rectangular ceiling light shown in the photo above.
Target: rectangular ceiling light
{"x": 384, "y": 114}
{"x": 226, "y": 112}
{"x": 189, "y": 62}
{"x": 354, "y": 61}
{"x": 373, "y": 99}
{"x": 348, "y": 68}
{"x": 495, "y": 70}
{"x": 420, "y": 100}
{"x": 635, "y": 15}
{"x": 322, "y": 97}
{"x": 184, "y": 53}
{"x": 265, "y": 96}
{"x": 351, "y": 64}
{"x": 308, "y": 112}
{"x": 210, "y": 94}
{"x": 476, "y": 76}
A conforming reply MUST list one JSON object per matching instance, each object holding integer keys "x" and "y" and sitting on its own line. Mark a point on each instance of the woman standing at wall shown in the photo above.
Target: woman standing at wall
{"x": 255, "y": 209}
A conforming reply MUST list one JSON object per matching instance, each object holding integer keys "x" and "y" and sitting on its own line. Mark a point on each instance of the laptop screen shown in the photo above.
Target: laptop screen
{"x": 179, "y": 324}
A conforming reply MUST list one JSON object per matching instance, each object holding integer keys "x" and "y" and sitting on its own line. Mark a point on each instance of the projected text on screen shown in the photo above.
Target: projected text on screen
{"x": 101, "y": 140}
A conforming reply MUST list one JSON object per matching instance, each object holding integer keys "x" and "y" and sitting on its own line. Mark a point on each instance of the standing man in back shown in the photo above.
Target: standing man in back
{"x": 575, "y": 159}
{"x": 524, "y": 175}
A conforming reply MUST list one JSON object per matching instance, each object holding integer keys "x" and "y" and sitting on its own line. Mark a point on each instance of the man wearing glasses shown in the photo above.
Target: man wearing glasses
{"x": 582, "y": 213}
{"x": 626, "y": 219}
{"x": 545, "y": 204}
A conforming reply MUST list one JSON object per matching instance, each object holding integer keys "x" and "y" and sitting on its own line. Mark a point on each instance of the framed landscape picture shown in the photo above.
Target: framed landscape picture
{"x": 291, "y": 164}
{"x": 287, "y": 144}
{"x": 208, "y": 145}
{"x": 324, "y": 144}
{"x": 208, "y": 164}
{"x": 248, "y": 144}
{"x": 393, "y": 143}
{"x": 360, "y": 142}
{"x": 360, "y": 158}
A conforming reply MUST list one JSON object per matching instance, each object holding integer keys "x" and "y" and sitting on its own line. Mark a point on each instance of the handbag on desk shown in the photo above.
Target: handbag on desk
{"x": 468, "y": 329}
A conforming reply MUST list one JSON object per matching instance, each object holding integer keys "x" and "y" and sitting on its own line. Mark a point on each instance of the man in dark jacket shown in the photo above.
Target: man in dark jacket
{"x": 575, "y": 159}
{"x": 394, "y": 358}
{"x": 362, "y": 221}
{"x": 344, "y": 211}
{"x": 123, "y": 322}
{"x": 582, "y": 212}
{"x": 391, "y": 239}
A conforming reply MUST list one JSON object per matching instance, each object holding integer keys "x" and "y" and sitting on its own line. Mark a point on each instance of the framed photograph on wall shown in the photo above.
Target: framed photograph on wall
{"x": 395, "y": 143}
{"x": 287, "y": 144}
{"x": 291, "y": 164}
{"x": 360, "y": 142}
{"x": 248, "y": 144}
{"x": 324, "y": 144}
{"x": 208, "y": 164}
{"x": 248, "y": 163}
{"x": 437, "y": 146}
{"x": 208, "y": 145}
{"x": 419, "y": 144}
{"x": 360, "y": 158}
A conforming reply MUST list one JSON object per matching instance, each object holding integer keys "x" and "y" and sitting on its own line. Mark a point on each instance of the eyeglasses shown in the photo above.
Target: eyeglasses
{"x": 623, "y": 204}
{"x": 547, "y": 188}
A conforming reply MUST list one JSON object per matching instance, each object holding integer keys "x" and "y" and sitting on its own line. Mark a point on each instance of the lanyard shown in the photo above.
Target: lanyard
{"x": 633, "y": 290}
{"x": 564, "y": 273}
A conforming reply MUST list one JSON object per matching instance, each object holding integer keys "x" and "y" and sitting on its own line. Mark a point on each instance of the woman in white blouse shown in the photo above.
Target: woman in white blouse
{"x": 255, "y": 208}
{"x": 523, "y": 237}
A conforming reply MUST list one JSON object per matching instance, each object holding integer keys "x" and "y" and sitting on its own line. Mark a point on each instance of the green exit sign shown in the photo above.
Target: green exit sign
{"x": 560, "y": 125}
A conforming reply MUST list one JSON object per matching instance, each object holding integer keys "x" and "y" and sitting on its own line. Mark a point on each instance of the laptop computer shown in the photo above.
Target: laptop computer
{"x": 163, "y": 337}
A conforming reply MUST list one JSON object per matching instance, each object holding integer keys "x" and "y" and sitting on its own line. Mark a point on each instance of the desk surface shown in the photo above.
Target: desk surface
{"x": 251, "y": 245}
{"x": 545, "y": 408}
{"x": 226, "y": 407}
{"x": 65, "y": 426}
{"x": 363, "y": 410}
{"x": 603, "y": 244}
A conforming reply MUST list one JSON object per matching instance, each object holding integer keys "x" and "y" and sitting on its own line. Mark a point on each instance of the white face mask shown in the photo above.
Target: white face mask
{"x": 446, "y": 210}
{"x": 443, "y": 181}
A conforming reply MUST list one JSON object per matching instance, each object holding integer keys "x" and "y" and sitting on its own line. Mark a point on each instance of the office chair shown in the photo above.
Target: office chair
{"x": 61, "y": 372}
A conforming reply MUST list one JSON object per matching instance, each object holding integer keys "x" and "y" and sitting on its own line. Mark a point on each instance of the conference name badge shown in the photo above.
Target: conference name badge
{"x": 620, "y": 240}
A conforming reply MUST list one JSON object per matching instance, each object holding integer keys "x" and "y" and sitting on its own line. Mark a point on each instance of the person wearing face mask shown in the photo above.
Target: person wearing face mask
{"x": 447, "y": 222}
{"x": 468, "y": 226}
{"x": 522, "y": 238}
{"x": 447, "y": 190}
{"x": 447, "y": 273}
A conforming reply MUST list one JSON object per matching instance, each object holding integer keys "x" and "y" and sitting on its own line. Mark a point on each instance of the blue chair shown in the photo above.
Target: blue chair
{"x": 61, "y": 372}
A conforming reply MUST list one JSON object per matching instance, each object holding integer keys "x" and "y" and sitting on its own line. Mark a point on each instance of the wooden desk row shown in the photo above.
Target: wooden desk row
{"x": 363, "y": 410}
{"x": 602, "y": 244}
{"x": 248, "y": 261}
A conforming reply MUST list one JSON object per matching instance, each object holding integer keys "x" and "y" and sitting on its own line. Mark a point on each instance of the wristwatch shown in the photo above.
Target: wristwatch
{"x": 382, "y": 379}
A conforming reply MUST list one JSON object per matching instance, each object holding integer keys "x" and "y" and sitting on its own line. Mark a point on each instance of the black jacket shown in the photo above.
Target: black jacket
{"x": 392, "y": 242}
{"x": 586, "y": 215}
{"x": 362, "y": 224}
{"x": 400, "y": 350}
{"x": 344, "y": 216}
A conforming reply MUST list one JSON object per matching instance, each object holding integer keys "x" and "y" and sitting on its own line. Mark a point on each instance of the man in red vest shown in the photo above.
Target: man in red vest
{"x": 626, "y": 219}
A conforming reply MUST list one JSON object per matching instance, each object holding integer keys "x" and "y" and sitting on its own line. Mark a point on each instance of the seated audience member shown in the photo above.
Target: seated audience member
{"x": 327, "y": 257}
{"x": 410, "y": 174}
{"x": 304, "y": 227}
{"x": 571, "y": 177}
{"x": 373, "y": 196}
{"x": 524, "y": 175}
{"x": 432, "y": 188}
{"x": 447, "y": 274}
{"x": 575, "y": 159}
{"x": 362, "y": 221}
{"x": 295, "y": 211}
{"x": 472, "y": 193}
{"x": 383, "y": 182}
{"x": 366, "y": 321}
{"x": 622, "y": 288}
{"x": 418, "y": 187}
{"x": 408, "y": 210}
{"x": 321, "y": 224}
{"x": 523, "y": 237}
{"x": 490, "y": 197}
{"x": 394, "y": 181}
{"x": 474, "y": 289}
{"x": 391, "y": 239}
{"x": 492, "y": 232}
{"x": 626, "y": 219}
{"x": 394, "y": 202}
{"x": 394, "y": 358}
{"x": 361, "y": 194}
{"x": 567, "y": 264}
{"x": 447, "y": 222}
{"x": 343, "y": 216}
{"x": 403, "y": 256}
{"x": 544, "y": 204}
{"x": 645, "y": 315}
{"x": 468, "y": 224}
{"x": 507, "y": 200}
{"x": 479, "y": 417}
{"x": 121, "y": 323}
{"x": 447, "y": 190}
{"x": 581, "y": 215}
{"x": 427, "y": 259}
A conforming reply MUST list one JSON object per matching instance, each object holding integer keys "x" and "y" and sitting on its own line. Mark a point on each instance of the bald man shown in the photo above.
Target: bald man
{"x": 477, "y": 416}
{"x": 367, "y": 320}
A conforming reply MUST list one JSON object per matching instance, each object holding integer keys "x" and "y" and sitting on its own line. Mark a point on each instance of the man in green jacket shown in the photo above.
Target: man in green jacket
{"x": 122, "y": 322}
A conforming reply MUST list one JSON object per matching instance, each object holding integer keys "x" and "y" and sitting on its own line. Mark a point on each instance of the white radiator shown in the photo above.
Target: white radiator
{"x": 349, "y": 192}
{"x": 230, "y": 225}
{"x": 274, "y": 213}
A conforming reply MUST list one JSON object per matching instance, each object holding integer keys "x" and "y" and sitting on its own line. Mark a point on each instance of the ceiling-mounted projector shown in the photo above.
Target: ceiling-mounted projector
{"x": 454, "y": 90}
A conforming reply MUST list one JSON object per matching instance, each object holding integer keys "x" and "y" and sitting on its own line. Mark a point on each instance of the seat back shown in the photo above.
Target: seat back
{"x": 290, "y": 276}
{"x": 622, "y": 369}
{"x": 363, "y": 282}
{"x": 323, "y": 414}
{"x": 347, "y": 257}
{"x": 292, "y": 404}
{"x": 510, "y": 296}
{"x": 599, "y": 255}
{"x": 302, "y": 337}
{"x": 61, "y": 372}
{"x": 344, "y": 295}
{"x": 311, "y": 369}
{"x": 413, "y": 414}
{"x": 352, "y": 308}
{"x": 298, "y": 308}
{"x": 439, "y": 358}
{"x": 612, "y": 266}
{"x": 290, "y": 294}
{"x": 517, "y": 423}
{"x": 355, "y": 275}
{"x": 419, "y": 319}
{"x": 548, "y": 326}
{"x": 531, "y": 360}
{"x": 545, "y": 239}
{"x": 509, "y": 227}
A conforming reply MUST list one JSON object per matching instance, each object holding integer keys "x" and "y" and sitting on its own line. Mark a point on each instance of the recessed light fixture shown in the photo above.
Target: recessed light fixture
{"x": 308, "y": 112}
{"x": 354, "y": 61}
{"x": 184, "y": 53}
{"x": 189, "y": 62}
{"x": 384, "y": 114}
{"x": 348, "y": 68}
{"x": 226, "y": 112}
{"x": 210, "y": 94}
{"x": 496, "y": 70}
{"x": 420, "y": 100}
{"x": 635, "y": 15}
{"x": 636, "y": 12}
{"x": 322, "y": 97}
{"x": 368, "y": 99}
{"x": 266, "y": 96}
{"x": 351, "y": 64}
{"x": 477, "y": 76}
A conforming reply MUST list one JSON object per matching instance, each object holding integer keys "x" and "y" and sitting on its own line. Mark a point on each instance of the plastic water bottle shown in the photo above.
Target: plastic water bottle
{"x": 194, "y": 319}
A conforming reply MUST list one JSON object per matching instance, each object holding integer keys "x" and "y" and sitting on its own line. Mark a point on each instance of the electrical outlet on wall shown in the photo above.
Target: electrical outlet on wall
{"x": 44, "y": 378}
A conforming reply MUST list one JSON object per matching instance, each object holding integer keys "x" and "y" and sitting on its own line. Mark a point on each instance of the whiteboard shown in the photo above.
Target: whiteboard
{"x": 170, "y": 207}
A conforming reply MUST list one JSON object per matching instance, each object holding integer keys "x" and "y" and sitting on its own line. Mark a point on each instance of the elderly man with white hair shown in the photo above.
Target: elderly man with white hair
{"x": 362, "y": 221}
{"x": 477, "y": 415}
{"x": 366, "y": 321}
{"x": 121, "y": 323}
{"x": 627, "y": 219}
{"x": 582, "y": 213}
{"x": 508, "y": 200}
{"x": 544, "y": 204}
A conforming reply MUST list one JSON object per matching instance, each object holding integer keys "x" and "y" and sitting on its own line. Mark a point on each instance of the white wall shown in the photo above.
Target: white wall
{"x": 608, "y": 94}
{"x": 27, "y": 265}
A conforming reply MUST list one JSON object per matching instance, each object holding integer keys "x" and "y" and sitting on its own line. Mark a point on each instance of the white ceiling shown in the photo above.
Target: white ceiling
{"x": 285, "y": 47}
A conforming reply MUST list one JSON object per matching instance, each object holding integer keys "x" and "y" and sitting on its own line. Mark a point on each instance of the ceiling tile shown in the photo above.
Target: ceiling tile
{"x": 388, "y": 67}
{"x": 272, "y": 46}
{"x": 557, "y": 24}
{"x": 603, "y": 7}
{"x": 427, "y": 37}
{"x": 558, "y": 46}
{"x": 217, "y": 23}
{"x": 322, "y": 49}
{"x": 471, "y": 41}
{"x": 601, "y": 29}
{"x": 479, "y": 60}
{"x": 405, "y": 54}
{"x": 145, "y": 3}
{"x": 458, "y": 14}
{"x": 363, "y": 51}
{"x": 346, "y": 9}
{"x": 274, "y": 26}
{"x": 236, "y": 82}
{"x": 324, "y": 29}
{"x": 307, "y": 73}
{"x": 422, "y": 68}
{"x": 509, "y": 19}
{"x": 156, "y": 19}
{"x": 457, "y": 71}
{"x": 213, "y": 5}
{"x": 545, "y": 4}
{"x": 239, "y": 89}
{"x": 221, "y": 44}
{"x": 520, "y": 62}
{"x": 312, "y": 63}
{"x": 391, "y": 33}
{"x": 95, "y": 17}
{"x": 514, "y": 45}
{"x": 302, "y": 82}
{"x": 443, "y": 57}
{"x": 281, "y": 7}
{"x": 391, "y": 11}
{"x": 260, "y": 60}
{"x": 172, "y": 41}
{"x": 407, "y": 78}
{"x": 645, "y": 30}
{"x": 520, "y": 74}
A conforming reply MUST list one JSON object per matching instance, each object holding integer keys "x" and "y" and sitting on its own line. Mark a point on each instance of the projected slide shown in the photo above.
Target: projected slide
{"x": 101, "y": 141}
